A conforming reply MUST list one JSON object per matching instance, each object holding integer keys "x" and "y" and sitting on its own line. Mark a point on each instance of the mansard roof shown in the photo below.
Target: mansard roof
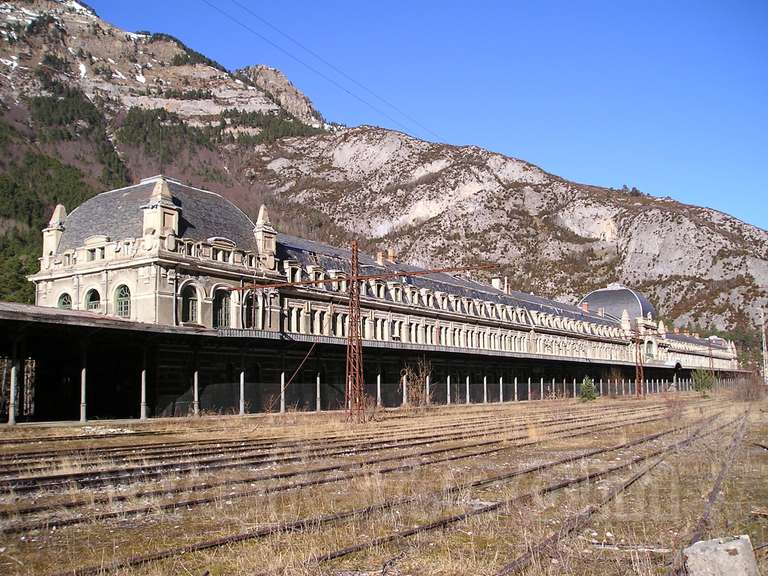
{"x": 616, "y": 298}
{"x": 714, "y": 342}
{"x": 117, "y": 214}
{"x": 308, "y": 252}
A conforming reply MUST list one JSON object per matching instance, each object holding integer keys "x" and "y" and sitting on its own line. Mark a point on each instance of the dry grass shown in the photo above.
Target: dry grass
{"x": 629, "y": 536}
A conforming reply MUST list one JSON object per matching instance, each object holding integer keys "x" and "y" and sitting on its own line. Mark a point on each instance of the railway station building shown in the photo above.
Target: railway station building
{"x": 148, "y": 303}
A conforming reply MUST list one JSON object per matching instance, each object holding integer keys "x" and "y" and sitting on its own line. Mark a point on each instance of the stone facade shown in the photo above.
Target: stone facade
{"x": 164, "y": 253}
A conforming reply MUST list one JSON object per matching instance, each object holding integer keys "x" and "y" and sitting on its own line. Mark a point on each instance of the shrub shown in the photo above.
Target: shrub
{"x": 588, "y": 391}
{"x": 703, "y": 380}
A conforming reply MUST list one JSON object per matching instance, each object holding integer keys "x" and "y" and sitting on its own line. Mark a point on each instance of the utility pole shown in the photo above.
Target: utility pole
{"x": 354, "y": 387}
{"x": 765, "y": 347}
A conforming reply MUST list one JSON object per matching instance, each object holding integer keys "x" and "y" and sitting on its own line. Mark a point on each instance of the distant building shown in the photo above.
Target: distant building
{"x": 161, "y": 259}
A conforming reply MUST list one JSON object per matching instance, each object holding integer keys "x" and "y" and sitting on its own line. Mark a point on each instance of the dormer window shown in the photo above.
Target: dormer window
{"x": 94, "y": 254}
{"x": 221, "y": 255}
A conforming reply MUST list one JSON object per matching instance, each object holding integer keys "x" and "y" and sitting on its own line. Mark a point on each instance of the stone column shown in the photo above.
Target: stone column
{"x": 485, "y": 389}
{"x": 601, "y": 386}
{"x": 501, "y": 389}
{"x": 467, "y": 386}
{"x": 448, "y": 391}
{"x": 282, "y": 391}
{"x": 196, "y": 392}
{"x": 378, "y": 386}
{"x": 529, "y": 388}
{"x": 405, "y": 391}
{"x": 242, "y": 392}
{"x": 574, "y": 387}
{"x": 515, "y": 397}
{"x": 541, "y": 388}
{"x": 83, "y": 382}
{"x": 143, "y": 405}
{"x": 426, "y": 400}
{"x": 318, "y": 406}
{"x": 14, "y": 387}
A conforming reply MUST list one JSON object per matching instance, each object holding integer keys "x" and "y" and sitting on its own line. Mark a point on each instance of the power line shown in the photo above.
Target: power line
{"x": 335, "y": 68}
{"x": 305, "y": 64}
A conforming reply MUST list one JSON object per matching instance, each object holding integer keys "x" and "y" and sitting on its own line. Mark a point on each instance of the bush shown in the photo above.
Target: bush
{"x": 588, "y": 391}
{"x": 703, "y": 381}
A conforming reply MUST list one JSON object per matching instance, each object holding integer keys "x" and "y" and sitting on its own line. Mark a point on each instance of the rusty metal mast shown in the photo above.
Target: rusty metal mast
{"x": 639, "y": 371}
{"x": 354, "y": 400}
{"x": 355, "y": 387}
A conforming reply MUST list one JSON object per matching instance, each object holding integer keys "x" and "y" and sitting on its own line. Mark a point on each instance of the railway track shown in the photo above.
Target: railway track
{"x": 520, "y": 499}
{"x": 317, "y": 521}
{"x": 438, "y": 420}
{"x": 15, "y": 465}
{"x": 678, "y": 561}
{"x": 123, "y": 475}
{"x": 363, "y": 469}
{"x": 576, "y": 521}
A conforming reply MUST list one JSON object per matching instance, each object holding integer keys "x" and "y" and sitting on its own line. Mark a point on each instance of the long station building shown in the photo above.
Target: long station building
{"x": 147, "y": 303}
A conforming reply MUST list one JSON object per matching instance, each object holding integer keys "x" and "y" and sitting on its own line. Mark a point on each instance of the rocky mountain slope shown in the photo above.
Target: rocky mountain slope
{"x": 86, "y": 106}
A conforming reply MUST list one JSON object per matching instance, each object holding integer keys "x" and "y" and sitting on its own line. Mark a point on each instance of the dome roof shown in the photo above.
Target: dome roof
{"x": 117, "y": 214}
{"x": 616, "y": 298}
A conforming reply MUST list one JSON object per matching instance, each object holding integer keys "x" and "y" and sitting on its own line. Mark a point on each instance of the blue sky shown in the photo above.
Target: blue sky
{"x": 671, "y": 97}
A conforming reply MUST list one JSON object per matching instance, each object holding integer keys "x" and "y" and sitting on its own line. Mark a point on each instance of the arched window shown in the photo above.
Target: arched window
{"x": 189, "y": 304}
{"x": 221, "y": 309}
{"x": 249, "y": 312}
{"x": 92, "y": 300}
{"x": 65, "y": 302}
{"x": 123, "y": 301}
{"x": 649, "y": 349}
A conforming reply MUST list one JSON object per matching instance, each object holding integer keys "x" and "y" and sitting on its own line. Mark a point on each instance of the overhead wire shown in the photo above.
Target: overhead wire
{"x": 335, "y": 68}
{"x": 327, "y": 78}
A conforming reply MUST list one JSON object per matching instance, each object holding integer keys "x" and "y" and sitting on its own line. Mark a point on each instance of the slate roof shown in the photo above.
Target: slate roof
{"x": 308, "y": 252}
{"x": 118, "y": 215}
{"x": 616, "y": 298}
{"x": 717, "y": 343}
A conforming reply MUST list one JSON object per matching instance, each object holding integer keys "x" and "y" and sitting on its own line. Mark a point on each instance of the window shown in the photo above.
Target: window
{"x": 222, "y": 255}
{"x": 189, "y": 304}
{"x": 123, "y": 301}
{"x": 649, "y": 349}
{"x": 65, "y": 302}
{"x": 249, "y": 312}
{"x": 92, "y": 300}
{"x": 221, "y": 309}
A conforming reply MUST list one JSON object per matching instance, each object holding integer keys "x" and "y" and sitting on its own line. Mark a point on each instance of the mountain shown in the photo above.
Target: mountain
{"x": 86, "y": 106}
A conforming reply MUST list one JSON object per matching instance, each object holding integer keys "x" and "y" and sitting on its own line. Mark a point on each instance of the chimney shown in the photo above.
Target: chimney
{"x": 496, "y": 282}
{"x": 601, "y": 312}
{"x": 506, "y": 284}
{"x": 380, "y": 258}
{"x": 585, "y": 306}
{"x": 391, "y": 254}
